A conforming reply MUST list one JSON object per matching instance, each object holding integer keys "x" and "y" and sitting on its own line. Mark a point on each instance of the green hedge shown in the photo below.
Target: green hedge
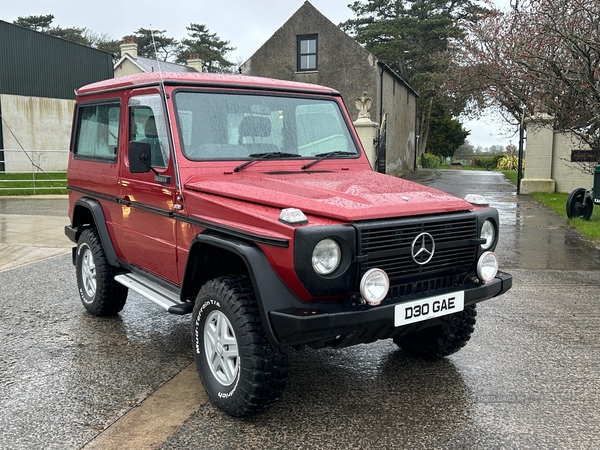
{"x": 488, "y": 162}
{"x": 430, "y": 161}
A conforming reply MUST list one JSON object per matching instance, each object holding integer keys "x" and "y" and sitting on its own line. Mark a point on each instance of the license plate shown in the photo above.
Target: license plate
{"x": 428, "y": 308}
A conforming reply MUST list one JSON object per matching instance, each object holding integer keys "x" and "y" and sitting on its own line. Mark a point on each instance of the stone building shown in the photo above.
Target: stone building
{"x": 310, "y": 48}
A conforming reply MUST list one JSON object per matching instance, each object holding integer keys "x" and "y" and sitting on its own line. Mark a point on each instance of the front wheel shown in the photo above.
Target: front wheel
{"x": 443, "y": 339}
{"x": 578, "y": 205}
{"x": 241, "y": 371}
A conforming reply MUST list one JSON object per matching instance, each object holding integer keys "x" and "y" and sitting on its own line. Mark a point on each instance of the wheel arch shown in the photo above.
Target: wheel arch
{"x": 87, "y": 212}
{"x": 245, "y": 257}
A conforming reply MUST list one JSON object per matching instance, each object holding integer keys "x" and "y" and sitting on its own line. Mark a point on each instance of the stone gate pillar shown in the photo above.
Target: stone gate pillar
{"x": 367, "y": 129}
{"x": 540, "y": 146}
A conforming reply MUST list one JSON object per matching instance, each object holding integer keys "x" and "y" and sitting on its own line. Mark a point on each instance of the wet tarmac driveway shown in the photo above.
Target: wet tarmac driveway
{"x": 529, "y": 377}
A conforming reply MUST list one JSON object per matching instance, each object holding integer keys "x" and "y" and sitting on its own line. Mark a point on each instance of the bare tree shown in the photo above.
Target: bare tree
{"x": 540, "y": 57}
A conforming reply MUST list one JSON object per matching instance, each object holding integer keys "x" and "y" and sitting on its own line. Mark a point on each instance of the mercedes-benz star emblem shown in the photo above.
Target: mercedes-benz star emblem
{"x": 423, "y": 248}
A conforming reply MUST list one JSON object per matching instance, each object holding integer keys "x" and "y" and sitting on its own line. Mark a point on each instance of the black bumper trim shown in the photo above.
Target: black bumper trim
{"x": 71, "y": 233}
{"x": 295, "y": 326}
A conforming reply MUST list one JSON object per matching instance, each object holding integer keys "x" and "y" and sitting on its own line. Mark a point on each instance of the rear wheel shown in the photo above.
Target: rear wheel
{"x": 241, "y": 371}
{"x": 442, "y": 339}
{"x": 576, "y": 207}
{"x": 100, "y": 294}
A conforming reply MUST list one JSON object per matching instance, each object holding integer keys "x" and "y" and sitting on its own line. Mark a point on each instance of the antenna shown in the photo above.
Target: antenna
{"x": 166, "y": 113}
{"x": 156, "y": 57}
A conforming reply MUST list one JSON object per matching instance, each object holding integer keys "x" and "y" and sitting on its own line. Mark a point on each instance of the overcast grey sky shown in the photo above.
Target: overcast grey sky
{"x": 246, "y": 23}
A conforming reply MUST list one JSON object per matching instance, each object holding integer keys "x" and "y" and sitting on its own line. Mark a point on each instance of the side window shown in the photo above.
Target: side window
{"x": 98, "y": 131}
{"x": 147, "y": 124}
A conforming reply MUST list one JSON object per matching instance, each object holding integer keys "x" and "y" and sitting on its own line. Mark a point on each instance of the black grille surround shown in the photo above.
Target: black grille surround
{"x": 386, "y": 245}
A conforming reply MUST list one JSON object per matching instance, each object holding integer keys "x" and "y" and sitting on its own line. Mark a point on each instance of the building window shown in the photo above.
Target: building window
{"x": 307, "y": 52}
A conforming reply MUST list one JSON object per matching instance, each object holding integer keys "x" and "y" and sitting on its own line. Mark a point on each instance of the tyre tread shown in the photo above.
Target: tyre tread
{"x": 110, "y": 295}
{"x": 264, "y": 375}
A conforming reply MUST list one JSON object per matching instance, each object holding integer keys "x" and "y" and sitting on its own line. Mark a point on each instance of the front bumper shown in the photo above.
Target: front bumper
{"x": 295, "y": 326}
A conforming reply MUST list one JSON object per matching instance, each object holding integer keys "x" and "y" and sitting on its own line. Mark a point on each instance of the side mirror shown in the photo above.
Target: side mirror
{"x": 139, "y": 157}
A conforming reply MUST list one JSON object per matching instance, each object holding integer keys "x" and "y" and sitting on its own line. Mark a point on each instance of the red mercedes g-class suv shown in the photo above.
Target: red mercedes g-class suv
{"x": 250, "y": 204}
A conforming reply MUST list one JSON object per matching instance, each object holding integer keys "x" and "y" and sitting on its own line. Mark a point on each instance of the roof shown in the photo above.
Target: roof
{"x": 40, "y": 65}
{"x": 401, "y": 80}
{"x": 153, "y": 65}
{"x": 201, "y": 79}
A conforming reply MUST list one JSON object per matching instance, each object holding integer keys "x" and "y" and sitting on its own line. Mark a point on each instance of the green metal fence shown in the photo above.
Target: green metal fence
{"x": 33, "y": 172}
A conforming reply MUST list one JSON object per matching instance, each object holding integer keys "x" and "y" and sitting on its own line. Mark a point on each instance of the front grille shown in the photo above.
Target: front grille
{"x": 387, "y": 245}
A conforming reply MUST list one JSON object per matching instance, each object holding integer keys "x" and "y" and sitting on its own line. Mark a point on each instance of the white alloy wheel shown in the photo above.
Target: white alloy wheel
{"x": 221, "y": 348}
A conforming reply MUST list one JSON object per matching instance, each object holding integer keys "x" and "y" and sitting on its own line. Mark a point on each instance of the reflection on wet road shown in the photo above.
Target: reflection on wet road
{"x": 527, "y": 379}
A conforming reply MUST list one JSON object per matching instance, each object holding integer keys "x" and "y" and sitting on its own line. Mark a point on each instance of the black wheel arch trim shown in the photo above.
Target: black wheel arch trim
{"x": 271, "y": 293}
{"x": 99, "y": 222}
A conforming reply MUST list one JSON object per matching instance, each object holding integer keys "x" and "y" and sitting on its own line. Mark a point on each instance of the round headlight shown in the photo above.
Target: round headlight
{"x": 488, "y": 232}
{"x": 326, "y": 256}
{"x": 487, "y": 267}
{"x": 374, "y": 286}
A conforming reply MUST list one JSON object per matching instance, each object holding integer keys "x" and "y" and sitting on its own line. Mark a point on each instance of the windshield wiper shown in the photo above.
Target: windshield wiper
{"x": 267, "y": 155}
{"x": 322, "y": 156}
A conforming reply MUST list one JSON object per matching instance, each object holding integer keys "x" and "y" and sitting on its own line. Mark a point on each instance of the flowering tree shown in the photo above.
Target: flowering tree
{"x": 542, "y": 56}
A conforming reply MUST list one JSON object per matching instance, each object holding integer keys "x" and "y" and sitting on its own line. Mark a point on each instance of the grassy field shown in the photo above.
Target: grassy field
{"x": 33, "y": 183}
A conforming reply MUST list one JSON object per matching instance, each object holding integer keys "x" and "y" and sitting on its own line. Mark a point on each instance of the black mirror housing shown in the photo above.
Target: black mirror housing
{"x": 139, "y": 157}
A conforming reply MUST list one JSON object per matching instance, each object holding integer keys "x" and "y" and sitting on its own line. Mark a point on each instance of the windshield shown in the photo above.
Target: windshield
{"x": 226, "y": 126}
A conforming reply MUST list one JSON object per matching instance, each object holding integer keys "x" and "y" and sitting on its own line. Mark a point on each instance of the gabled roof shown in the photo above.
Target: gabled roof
{"x": 309, "y": 10}
{"x": 152, "y": 65}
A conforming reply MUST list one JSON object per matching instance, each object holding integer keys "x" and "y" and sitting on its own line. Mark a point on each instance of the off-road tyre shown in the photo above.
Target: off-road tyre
{"x": 255, "y": 378}
{"x": 100, "y": 294}
{"x": 443, "y": 339}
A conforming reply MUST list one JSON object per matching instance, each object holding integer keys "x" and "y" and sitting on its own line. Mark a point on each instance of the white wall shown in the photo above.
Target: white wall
{"x": 547, "y": 165}
{"x": 36, "y": 124}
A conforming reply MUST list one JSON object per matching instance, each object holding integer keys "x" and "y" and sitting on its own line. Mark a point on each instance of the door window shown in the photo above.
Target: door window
{"x": 147, "y": 124}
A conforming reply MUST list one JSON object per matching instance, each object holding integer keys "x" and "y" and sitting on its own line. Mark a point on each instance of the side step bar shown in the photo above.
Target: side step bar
{"x": 164, "y": 298}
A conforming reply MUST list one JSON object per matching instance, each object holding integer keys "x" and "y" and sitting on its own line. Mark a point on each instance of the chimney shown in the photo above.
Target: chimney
{"x": 195, "y": 62}
{"x": 130, "y": 47}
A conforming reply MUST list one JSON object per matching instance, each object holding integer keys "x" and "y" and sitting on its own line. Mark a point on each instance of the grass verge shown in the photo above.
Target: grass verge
{"x": 558, "y": 202}
{"x": 511, "y": 175}
{"x": 33, "y": 183}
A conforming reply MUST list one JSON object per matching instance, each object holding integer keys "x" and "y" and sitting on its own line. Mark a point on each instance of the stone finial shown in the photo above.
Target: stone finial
{"x": 364, "y": 104}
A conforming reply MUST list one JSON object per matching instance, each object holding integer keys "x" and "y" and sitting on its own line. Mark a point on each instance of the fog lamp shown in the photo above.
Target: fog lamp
{"x": 374, "y": 286}
{"x": 487, "y": 267}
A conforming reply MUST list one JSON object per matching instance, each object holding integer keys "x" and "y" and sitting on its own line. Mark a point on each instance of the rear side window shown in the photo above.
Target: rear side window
{"x": 97, "y": 133}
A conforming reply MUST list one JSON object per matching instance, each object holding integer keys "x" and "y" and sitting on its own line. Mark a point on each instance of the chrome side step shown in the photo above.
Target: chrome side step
{"x": 169, "y": 300}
